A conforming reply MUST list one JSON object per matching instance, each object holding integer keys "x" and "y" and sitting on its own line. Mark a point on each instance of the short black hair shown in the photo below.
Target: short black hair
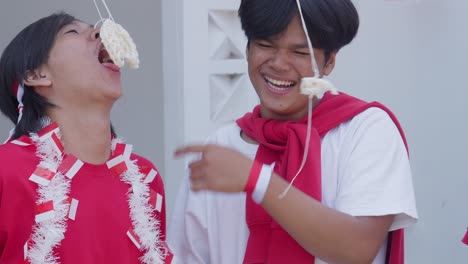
{"x": 26, "y": 52}
{"x": 331, "y": 24}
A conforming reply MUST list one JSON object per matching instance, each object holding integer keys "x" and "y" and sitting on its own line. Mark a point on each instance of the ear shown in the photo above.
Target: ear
{"x": 330, "y": 65}
{"x": 37, "y": 78}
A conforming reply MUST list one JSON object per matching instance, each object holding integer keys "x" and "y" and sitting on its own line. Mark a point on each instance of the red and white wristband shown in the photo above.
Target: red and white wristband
{"x": 259, "y": 178}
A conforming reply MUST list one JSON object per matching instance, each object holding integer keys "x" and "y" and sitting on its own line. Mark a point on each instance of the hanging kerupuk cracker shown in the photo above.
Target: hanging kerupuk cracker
{"x": 314, "y": 86}
{"x": 117, "y": 41}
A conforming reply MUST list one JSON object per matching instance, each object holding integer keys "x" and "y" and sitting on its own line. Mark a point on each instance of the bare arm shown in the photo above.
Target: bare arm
{"x": 326, "y": 233}
{"x": 331, "y": 235}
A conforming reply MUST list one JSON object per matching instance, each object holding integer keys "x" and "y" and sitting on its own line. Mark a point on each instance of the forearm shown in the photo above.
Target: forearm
{"x": 324, "y": 232}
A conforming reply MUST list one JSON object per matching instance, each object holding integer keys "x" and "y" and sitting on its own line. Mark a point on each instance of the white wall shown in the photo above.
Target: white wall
{"x": 413, "y": 57}
{"x": 138, "y": 115}
{"x": 204, "y": 76}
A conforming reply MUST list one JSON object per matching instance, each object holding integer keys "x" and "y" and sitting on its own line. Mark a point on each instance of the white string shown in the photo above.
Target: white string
{"x": 316, "y": 71}
{"x": 100, "y": 14}
{"x": 306, "y": 150}
{"x": 309, "y": 42}
{"x": 97, "y": 23}
{"x": 108, "y": 11}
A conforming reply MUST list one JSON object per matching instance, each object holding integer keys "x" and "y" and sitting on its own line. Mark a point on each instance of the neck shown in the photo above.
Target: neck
{"x": 88, "y": 137}
{"x": 297, "y": 116}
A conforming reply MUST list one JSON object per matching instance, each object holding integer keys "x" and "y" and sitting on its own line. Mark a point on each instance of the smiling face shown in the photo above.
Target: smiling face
{"x": 79, "y": 69}
{"x": 276, "y": 66}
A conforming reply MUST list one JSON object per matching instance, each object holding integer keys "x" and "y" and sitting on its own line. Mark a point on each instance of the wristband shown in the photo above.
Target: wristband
{"x": 262, "y": 183}
{"x": 253, "y": 176}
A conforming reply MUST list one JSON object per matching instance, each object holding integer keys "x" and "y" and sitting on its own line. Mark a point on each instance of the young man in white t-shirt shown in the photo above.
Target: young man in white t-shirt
{"x": 353, "y": 195}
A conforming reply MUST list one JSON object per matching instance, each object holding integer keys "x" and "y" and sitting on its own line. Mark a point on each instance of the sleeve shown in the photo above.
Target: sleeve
{"x": 374, "y": 172}
{"x": 187, "y": 233}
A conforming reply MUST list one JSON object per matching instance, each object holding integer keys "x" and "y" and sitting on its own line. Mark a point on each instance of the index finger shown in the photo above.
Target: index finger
{"x": 189, "y": 149}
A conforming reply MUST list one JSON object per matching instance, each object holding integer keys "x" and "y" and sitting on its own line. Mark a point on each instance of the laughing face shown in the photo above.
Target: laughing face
{"x": 80, "y": 70}
{"x": 276, "y": 66}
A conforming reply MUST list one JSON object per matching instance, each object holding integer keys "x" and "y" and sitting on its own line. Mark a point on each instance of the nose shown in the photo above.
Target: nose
{"x": 95, "y": 33}
{"x": 280, "y": 61}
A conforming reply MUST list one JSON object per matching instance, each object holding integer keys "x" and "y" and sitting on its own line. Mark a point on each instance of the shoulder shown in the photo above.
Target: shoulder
{"x": 17, "y": 163}
{"x": 373, "y": 168}
{"x": 373, "y": 115}
{"x": 142, "y": 161}
{"x": 151, "y": 173}
{"x": 12, "y": 155}
{"x": 374, "y": 122}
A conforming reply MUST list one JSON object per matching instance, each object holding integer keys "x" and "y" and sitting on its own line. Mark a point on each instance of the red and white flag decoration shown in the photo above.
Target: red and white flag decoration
{"x": 56, "y": 143}
{"x": 23, "y": 141}
{"x": 48, "y": 130}
{"x": 123, "y": 149}
{"x": 169, "y": 257}
{"x": 42, "y": 176}
{"x": 118, "y": 165}
{"x": 50, "y": 133}
{"x": 134, "y": 238}
{"x": 44, "y": 211}
{"x": 70, "y": 166}
{"x": 73, "y": 208}
{"x": 156, "y": 200}
{"x": 149, "y": 174}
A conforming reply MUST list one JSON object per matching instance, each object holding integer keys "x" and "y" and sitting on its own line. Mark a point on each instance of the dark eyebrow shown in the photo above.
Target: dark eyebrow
{"x": 300, "y": 46}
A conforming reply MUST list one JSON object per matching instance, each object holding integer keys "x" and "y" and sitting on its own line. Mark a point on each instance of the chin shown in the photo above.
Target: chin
{"x": 114, "y": 92}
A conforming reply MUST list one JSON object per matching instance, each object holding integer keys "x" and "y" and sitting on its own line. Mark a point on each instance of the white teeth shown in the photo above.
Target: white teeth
{"x": 280, "y": 83}
{"x": 278, "y": 88}
{"x": 105, "y": 60}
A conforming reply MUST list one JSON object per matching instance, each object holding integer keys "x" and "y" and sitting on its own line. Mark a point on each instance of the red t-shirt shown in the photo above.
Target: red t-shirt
{"x": 99, "y": 232}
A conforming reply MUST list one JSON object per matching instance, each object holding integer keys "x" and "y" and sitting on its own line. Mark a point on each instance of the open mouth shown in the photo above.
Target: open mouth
{"x": 105, "y": 59}
{"x": 279, "y": 85}
{"x": 104, "y": 56}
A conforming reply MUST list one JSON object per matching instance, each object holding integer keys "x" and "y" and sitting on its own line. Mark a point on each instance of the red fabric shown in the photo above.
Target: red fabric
{"x": 465, "y": 239}
{"x": 98, "y": 235}
{"x": 253, "y": 176}
{"x": 283, "y": 143}
{"x": 44, "y": 207}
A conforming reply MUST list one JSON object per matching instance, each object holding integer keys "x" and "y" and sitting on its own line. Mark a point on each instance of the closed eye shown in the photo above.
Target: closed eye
{"x": 302, "y": 53}
{"x": 264, "y": 45}
{"x": 72, "y": 31}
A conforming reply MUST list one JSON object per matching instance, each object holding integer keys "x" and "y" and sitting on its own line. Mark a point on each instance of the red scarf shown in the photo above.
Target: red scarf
{"x": 283, "y": 143}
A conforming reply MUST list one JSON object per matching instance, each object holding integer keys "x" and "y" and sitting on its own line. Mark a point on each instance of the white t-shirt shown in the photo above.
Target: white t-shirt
{"x": 365, "y": 172}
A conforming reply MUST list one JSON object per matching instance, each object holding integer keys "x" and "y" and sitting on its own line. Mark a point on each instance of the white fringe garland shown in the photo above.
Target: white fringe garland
{"x": 48, "y": 234}
{"x": 145, "y": 225}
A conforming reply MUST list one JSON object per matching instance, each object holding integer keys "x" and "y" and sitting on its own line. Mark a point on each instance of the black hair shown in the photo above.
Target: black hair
{"x": 331, "y": 24}
{"x": 26, "y": 52}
